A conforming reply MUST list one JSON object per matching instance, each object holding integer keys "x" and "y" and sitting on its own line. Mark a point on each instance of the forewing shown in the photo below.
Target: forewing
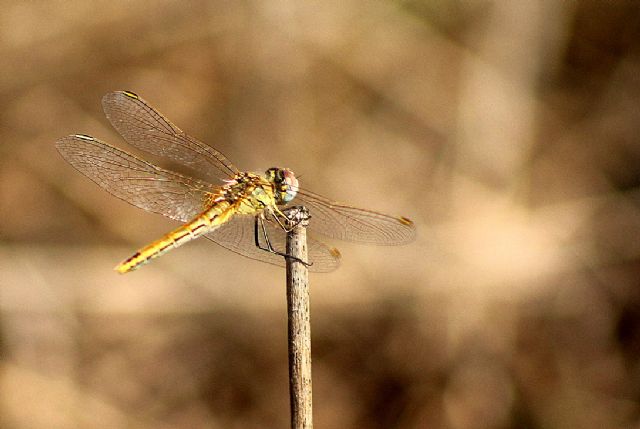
{"x": 344, "y": 222}
{"x": 147, "y": 129}
{"x": 237, "y": 235}
{"x": 133, "y": 180}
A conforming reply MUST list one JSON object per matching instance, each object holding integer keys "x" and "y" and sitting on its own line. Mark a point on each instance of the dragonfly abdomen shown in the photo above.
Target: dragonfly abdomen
{"x": 203, "y": 224}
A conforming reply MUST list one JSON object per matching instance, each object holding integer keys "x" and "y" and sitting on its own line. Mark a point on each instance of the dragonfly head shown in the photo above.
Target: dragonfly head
{"x": 284, "y": 182}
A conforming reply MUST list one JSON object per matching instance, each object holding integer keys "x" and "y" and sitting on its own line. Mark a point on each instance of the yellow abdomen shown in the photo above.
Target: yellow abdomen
{"x": 203, "y": 224}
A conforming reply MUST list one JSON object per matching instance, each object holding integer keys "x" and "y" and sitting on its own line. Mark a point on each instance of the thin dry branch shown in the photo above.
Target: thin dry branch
{"x": 299, "y": 322}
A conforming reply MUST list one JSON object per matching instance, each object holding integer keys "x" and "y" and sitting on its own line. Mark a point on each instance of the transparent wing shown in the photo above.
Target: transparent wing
{"x": 237, "y": 235}
{"x": 344, "y": 222}
{"x": 133, "y": 180}
{"x": 147, "y": 129}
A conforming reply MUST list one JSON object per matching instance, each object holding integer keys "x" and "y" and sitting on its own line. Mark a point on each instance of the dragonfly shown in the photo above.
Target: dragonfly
{"x": 239, "y": 210}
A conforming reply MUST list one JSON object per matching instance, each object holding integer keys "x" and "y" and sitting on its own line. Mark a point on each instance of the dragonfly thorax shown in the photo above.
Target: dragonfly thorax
{"x": 285, "y": 184}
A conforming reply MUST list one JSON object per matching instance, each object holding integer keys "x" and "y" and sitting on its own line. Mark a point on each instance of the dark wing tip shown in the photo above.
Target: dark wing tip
{"x": 408, "y": 232}
{"x": 63, "y": 141}
{"x": 111, "y": 96}
{"x": 405, "y": 221}
{"x": 130, "y": 94}
{"x": 71, "y": 146}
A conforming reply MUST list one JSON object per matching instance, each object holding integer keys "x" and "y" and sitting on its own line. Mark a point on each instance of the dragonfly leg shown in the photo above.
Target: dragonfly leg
{"x": 277, "y": 214}
{"x": 269, "y": 248}
{"x": 292, "y": 218}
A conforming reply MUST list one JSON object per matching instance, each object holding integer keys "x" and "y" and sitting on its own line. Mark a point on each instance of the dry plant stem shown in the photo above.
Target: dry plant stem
{"x": 299, "y": 326}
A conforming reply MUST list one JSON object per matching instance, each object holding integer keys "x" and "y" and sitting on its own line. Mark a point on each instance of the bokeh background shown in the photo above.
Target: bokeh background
{"x": 508, "y": 131}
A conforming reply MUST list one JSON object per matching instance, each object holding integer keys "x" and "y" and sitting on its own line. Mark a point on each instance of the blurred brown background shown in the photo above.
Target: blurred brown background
{"x": 509, "y": 131}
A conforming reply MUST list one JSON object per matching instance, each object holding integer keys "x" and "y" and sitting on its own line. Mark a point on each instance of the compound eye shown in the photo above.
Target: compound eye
{"x": 290, "y": 188}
